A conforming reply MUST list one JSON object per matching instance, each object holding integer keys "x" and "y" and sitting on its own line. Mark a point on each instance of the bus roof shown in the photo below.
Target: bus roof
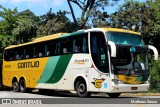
{"x": 120, "y": 30}
{"x": 112, "y": 30}
{"x": 61, "y": 35}
{"x": 49, "y": 37}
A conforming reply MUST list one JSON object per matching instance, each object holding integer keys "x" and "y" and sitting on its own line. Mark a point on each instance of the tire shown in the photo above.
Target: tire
{"x": 81, "y": 89}
{"x": 22, "y": 86}
{"x": 114, "y": 95}
{"x": 15, "y": 86}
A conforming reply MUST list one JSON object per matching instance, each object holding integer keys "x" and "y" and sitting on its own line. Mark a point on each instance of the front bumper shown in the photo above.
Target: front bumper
{"x": 129, "y": 88}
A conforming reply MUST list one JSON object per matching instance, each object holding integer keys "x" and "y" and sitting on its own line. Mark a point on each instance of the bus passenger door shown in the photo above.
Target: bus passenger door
{"x": 100, "y": 58}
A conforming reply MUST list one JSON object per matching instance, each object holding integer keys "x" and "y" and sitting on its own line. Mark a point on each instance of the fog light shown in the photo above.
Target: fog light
{"x": 115, "y": 81}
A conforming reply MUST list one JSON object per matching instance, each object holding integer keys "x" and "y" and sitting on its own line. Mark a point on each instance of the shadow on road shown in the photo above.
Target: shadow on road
{"x": 69, "y": 94}
{"x": 54, "y": 93}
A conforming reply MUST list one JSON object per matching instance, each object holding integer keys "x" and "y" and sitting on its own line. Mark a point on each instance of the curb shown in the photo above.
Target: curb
{"x": 140, "y": 94}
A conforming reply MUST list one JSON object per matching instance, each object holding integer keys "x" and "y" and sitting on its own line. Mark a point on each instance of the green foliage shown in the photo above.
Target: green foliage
{"x": 54, "y": 23}
{"x": 93, "y": 12}
{"x": 8, "y": 20}
{"x": 155, "y": 76}
{"x": 143, "y": 17}
{"x": 26, "y": 26}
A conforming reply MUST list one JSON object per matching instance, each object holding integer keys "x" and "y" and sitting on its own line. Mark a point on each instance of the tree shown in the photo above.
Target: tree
{"x": 54, "y": 23}
{"x": 92, "y": 10}
{"x": 155, "y": 76}
{"x": 142, "y": 17}
{"x": 8, "y": 20}
{"x": 26, "y": 26}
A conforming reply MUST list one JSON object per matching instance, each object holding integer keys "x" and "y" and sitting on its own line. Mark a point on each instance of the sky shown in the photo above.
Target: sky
{"x": 40, "y": 7}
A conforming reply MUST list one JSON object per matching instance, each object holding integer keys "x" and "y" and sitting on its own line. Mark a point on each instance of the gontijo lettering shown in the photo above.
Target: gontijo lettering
{"x": 34, "y": 64}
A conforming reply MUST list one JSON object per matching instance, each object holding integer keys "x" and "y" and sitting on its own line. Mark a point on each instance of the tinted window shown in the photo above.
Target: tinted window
{"x": 51, "y": 48}
{"x": 80, "y": 44}
{"x": 9, "y": 54}
{"x": 39, "y": 50}
{"x": 68, "y": 45}
{"x": 125, "y": 38}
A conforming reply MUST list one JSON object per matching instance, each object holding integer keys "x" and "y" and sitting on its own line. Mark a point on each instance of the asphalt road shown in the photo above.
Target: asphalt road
{"x": 62, "y": 98}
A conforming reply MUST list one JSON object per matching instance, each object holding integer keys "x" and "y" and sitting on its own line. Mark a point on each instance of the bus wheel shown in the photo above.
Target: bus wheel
{"x": 114, "y": 95}
{"x": 22, "y": 85}
{"x": 81, "y": 89}
{"x": 15, "y": 86}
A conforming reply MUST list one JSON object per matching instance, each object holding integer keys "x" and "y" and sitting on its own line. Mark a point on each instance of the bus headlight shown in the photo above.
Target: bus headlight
{"x": 117, "y": 81}
{"x": 146, "y": 82}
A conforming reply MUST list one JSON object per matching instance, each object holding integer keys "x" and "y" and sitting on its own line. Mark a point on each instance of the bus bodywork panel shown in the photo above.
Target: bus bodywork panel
{"x": 29, "y": 69}
{"x": 38, "y": 70}
{"x": 78, "y": 66}
{"x": 45, "y": 72}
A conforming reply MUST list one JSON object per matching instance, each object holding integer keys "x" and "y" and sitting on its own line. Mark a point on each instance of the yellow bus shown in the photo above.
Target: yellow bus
{"x": 97, "y": 60}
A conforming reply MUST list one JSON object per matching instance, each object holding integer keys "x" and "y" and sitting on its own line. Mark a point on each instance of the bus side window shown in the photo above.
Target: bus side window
{"x": 58, "y": 48}
{"x": 39, "y": 50}
{"x": 85, "y": 44}
{"x": 77, "y": 45}
{"x": 66, "y": 45}
{"x": 11, "y": 54}
{"x": 19, "y": 53}
{"x": 29, "y": 52}
{"x": 7, "y": 55}
{"x": 94, "y": 45}
{"x": 51, "y": 48}
{"x": 80, "y": 44}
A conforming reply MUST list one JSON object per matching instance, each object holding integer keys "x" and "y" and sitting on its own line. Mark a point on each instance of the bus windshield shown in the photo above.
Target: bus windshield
{"x": 131, "y": 53}
{"x": 125, "y": 38}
